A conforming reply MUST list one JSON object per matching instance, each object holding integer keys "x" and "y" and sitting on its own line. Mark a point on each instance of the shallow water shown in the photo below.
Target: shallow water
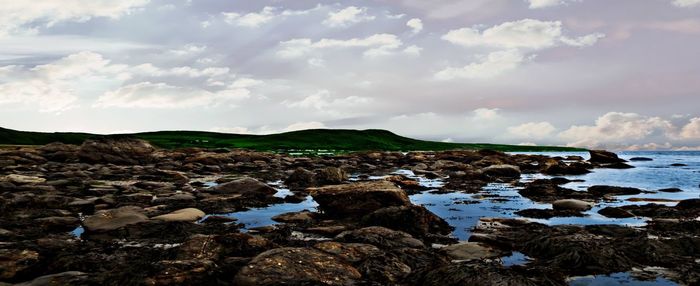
{"x": 617, "y": 279}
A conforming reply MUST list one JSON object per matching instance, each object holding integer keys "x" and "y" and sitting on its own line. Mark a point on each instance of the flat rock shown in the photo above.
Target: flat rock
{"x": 470, "y": 251}
{"x": 107, "y": 220}
{"x": 247, "y": 187}
{"x": 380, "y": 236}
{"x": 23, "y": 180}
{"x": 357, "y": 199}
{"x": 188, "y": 214}
{"x": 571, "y": 204}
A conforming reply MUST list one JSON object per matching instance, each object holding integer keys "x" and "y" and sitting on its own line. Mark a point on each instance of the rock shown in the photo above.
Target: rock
{"x": 295, "y": 217}
{"x": 349, "y": 252}
{"x": 689, "y": 204}
{"x": 548, "y": 213}
{"x": 471, "y": 251}
{"x": 502, "y": 171}
{"x": 23, "y": 180}
{"x": 119, "y": 151}
{"x": 381, "y": 237}
{"x": 330, "y": 176}
{"x": 678, "y": 165}
{"x": 199, "y": 247}
{"x": 484, "y": 274}
{"x": 357, "y": 199}
{"x": 617, "y": 166}
{"x": 247, "y": 187}
{"x": 604, "y": 157}
{"x": 63, "y": 278}
{"x": 615, "y": 212}
{"x": 107, "y": 220}
{"x": 14, "y": 262}
{"x": 300, "y": 179}
{"x": 415, "y": 220}
{"x": 670, "y": 190}
{"x": 640, "y": 159}
{"x": 615, "y": 191}
{"x": 59, "y": 152}
{"x": 188, "y": 214}
{"x": 571, "y": 204}
{"x": 297, "y": 266}
{"x": 182, "y": 272}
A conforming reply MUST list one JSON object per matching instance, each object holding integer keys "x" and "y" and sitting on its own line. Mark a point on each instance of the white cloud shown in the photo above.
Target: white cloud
{"x": 322, "y": 100}
{"x": 524, "y": 34}
{"x": 537, "y": 4}
{"x": 686, "y": 3}
{"x": 347, "y": 16}
{"x": 21, "y": 17}
{"x": 231, "y": 130}
{"x": 691, "y": 130}
{"x": 266, "y": 15}
{"x": 616, "y": 128}
{"x": 413, "y": 50}
{"x": 416, "y": 25}
{"x": 492, "y": 65}
{"x": 486, "y": 114}
{"x": 532, "y": 130}
{"x": 164, "y": 96}
{"x": 376, "y": 45}
{"x": 190, "y": 49}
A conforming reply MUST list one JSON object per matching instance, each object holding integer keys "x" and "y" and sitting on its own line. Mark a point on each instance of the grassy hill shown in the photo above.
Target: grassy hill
{"x": 315, "y": 139}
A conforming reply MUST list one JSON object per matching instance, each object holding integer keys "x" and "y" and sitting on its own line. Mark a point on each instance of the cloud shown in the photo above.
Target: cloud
{"x": 378, "y": 44}
{"x": 615, "y": 129}
{"x": 524, "y": 34}
{"x": 533, "y": 130}
{"x": 486, "y": 114}
{"x": 59, "y": 85}
{"x": 691, "y": 130}
{"x": 416, "y": 25}
{"x": 231, "y": 130}
{"x": 304, "y": 126}
{"x": 537, "y": 4}
{"x": 347, "y": 16}
{"x": 686, "y": 3}
{"x": 21, "y": 17}
{"x": 257, "y": 19}
{"x": 322, "y": 100}
{"x": 489, "y": 66}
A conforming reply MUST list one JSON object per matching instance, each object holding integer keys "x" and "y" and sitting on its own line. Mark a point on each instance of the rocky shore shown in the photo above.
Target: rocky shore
{"x": 121, "y": 212}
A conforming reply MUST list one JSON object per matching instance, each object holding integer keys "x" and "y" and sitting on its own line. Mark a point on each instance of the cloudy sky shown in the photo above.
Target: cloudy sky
{"x": 621, "y": 74}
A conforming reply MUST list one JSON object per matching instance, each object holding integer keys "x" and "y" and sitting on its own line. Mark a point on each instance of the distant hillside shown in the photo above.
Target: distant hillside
{"x": 314, "y": 139}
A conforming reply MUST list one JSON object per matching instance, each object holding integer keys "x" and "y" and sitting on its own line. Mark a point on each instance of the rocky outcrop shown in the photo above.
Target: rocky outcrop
{"x": 119, "y": 151}
{"x": 358, "y": 199}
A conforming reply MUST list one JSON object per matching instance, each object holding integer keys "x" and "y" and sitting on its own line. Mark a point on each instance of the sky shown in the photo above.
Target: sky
{"x": 615, "y": 74}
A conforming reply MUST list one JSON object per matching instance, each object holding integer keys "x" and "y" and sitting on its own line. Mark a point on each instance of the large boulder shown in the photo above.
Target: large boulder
{"x": 188, "y": 214}
{"x": 247, "y": 187}
{"x": 119, "y": 151}
{"x": 297, "y": 266}
{"x": 329, "y": 176}
{"x": 502, "y": 171}
{"x": 300, "y": 179}
{"x": 358, "y": 199}
{"x": 108, "y": 220}
{"x": 415, "y": 220}
{"x": 571, "y": 204}
{"x": 604, "y": 157}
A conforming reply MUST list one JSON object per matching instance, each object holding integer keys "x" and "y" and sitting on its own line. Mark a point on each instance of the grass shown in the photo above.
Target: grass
{"x": 335, "y": 140}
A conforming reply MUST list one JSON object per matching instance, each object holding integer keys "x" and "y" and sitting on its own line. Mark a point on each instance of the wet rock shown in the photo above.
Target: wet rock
{"x": 247, "y": 187}
{"x": 604, "y": 157}
{"x": 415, "y": 220}
{"x": 350, "y": 252}
{"x": 571, "y": 204}
{"x": 381, "y": 237}
{"x": 183, "y": 272}
{"x": 357, "y": 199}
{"x": 297, "y": 266}
{"x": 548, "y": 213}
{"x": 614, "y": 191}
{"x": 384, "y": 269}
{"x": 678, "y": 165}
{"x": 22, "y": 179}
{"x": 640, "y": 159}
{"x": 300, "y": 179}
{"x": 487, "y": 274}
{"x": 617, "y": 166}
{"x": 615, "y": 212}
{"x": 188, "y": 214}
{"x": 58, "y": 224}
{"x": 561, "y": 168}
{"x": 17, "y": 262}
{"x": 120, "y": 151}
{"x": 295, "y": 217}
{"x": 502, "y": 171}
{"x": 471, "y": 251}
{"x": 670, "y": 190}
{"x": 689, "y": 204}
{"x": 330, "y": 176}
{"x": 218, "y": 219}
{"x": 107, "y": 220}
{"x": 63, "y": 278}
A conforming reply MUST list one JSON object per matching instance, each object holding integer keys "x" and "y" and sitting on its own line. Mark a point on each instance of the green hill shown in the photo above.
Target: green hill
{"x": 314, "y": 139}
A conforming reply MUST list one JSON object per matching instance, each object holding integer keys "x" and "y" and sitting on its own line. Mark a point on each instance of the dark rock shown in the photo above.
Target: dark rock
{"x": 108, "y": 220}
{"x": 381, "y": 237}
{"x": 678, "y": 165}
{"x": 358, "y": 199}
{"x": 640, "y": 159}
{"x": 502, "y": 171}
{"x": 548, "y": 213}
{"x": 487, "y": 274}
{"x": 63, "y": 278}
{"x": 297, "y": 266}
{"x": 15, "y": 263}
{"x": 247, "y": 187}
{"x": 615, "y": 212}
{"x": 330, "y": 176}
{"x": 350, "y": 252}
{"x": 604, "y": 157}
{"x": 415, "y": 220}
{"x": 300, "y": 179}
{"x": 120, "y": 151}
{"x": 670, "y": 190}
{"x": 611, "y": 190}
